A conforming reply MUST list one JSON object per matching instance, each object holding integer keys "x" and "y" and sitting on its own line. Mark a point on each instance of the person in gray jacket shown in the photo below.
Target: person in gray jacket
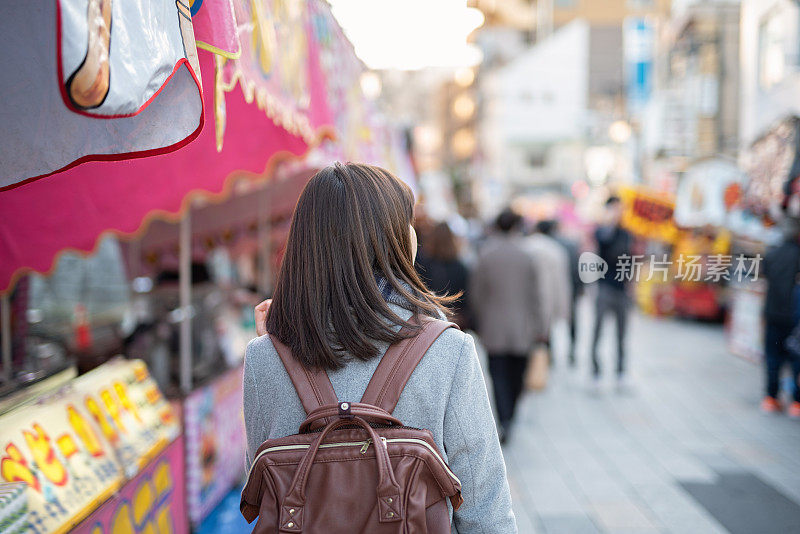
{"x": 346, "y": 286}
{"x": 506, "y": 296}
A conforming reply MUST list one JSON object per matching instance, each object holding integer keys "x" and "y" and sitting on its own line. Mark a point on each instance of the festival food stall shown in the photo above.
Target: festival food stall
{"x": 235, "y": 246}
{"x": 688, "y": 261}
{"x": 769, "y": 193}
{"x": 101, "y": 454}
{"x": 648, "y": 215}
{"x": 184, "y": 168}
{"x": 708, "y": 196}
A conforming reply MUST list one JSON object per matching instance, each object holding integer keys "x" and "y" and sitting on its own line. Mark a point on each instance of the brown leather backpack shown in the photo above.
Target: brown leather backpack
{"x": 353, "y": 467}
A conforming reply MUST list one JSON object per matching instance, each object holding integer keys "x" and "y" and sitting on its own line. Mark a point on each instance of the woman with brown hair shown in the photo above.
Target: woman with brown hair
{"x": 345, "y": 289}
{"x": 443, "y": 271}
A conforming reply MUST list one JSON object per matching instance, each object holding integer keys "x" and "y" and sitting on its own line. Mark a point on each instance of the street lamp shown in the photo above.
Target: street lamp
{"x": 463, "y": 106}
{"x": 464, "y": 77}
{"x": 371, "y": 85}
{"x": 619, "y": 132}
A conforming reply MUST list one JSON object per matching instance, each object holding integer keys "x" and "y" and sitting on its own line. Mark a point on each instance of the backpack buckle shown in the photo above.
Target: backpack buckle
{"x": 344, "y": 410}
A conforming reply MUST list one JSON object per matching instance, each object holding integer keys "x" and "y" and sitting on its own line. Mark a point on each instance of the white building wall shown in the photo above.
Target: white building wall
{"x": 537, "y": 100}
{"x": 770, "y": 45}
{"x": 541, "y": 96}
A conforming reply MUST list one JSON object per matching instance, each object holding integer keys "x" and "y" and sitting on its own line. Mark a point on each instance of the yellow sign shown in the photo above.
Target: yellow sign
{"x": 75, "y": 448}
{"x": 648, "y": 213}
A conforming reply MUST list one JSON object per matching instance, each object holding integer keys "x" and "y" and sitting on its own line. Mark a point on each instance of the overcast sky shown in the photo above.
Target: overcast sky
{"x": 410, "y": 34}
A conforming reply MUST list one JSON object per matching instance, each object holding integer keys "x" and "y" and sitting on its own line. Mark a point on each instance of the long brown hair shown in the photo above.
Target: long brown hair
{"x": 350, "y": 224}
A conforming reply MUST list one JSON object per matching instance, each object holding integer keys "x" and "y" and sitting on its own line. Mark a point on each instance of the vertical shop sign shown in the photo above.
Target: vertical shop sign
{"x": 637, "y": 42}
{"x": 215, "y": 443}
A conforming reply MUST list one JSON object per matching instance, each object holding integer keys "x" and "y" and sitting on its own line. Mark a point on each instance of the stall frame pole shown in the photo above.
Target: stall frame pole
{"x": 185, "y": 289}
{"x": 5, "y": 328}
{"x": 264, "y": 242}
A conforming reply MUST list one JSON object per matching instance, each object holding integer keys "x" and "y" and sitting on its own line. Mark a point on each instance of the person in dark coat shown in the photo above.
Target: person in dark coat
{"x": 613, "y": 244}
{"x": 781, "y": 268}
{"x": 443, "y": 271}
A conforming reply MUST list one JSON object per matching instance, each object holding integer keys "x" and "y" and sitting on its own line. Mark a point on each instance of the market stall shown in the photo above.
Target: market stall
{"x": 235, "y": 246}
{"x": 170, "y": 255}
{"x": 708, "y": 198}
{"x": 106, "y": 445}
{"x": 687, "y": 260}
{"x": 768, "y": 194}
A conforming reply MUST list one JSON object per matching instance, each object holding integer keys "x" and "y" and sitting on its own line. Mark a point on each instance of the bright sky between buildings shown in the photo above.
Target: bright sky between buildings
{"x": 410, "y": 34}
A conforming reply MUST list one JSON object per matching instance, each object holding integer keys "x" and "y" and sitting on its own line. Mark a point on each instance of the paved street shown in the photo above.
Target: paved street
{"x": 686, "y": 450}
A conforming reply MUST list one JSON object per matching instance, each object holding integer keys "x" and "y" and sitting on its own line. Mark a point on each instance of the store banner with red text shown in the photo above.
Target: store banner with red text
{"x": 648, "y": 214}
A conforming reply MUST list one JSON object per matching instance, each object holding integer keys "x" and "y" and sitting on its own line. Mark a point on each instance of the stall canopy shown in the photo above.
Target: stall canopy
{"x": 112, "y": 81}
{"x": 233, "y": 223}
{"x": 261, "y": 106}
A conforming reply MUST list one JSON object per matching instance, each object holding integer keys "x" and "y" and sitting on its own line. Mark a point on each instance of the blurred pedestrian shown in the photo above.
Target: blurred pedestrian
{"x": 554, "y": 282}
{"x": 550, "y": 228}
{"x": 443, "y": 271}
{"x": 613, "y": 246}
{"x": 781, "y": 267}
{"x": 506, "y": 302}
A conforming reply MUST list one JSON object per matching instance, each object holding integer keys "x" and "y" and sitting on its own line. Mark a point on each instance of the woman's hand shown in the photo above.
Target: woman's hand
{"x": 261, "y": 317}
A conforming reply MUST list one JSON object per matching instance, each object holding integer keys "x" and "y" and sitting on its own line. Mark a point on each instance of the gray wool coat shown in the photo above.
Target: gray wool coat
{"x": 446, "y": 394}
{"x": 506, "y": 295}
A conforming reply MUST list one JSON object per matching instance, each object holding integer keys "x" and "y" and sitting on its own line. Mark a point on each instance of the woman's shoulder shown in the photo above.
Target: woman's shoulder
{"x": 448, "y": 350}
{"x": 451, "y": 339}
{"x": 261, "y": 352}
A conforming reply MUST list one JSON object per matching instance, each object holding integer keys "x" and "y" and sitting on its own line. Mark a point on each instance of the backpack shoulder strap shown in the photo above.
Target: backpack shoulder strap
{"x": 312, "y": 385}
{"x": 399, "y": 362}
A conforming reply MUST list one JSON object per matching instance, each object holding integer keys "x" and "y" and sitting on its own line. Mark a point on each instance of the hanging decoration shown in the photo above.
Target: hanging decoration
{"x": 215, "y": 27}
{"x": 95, "y": 80}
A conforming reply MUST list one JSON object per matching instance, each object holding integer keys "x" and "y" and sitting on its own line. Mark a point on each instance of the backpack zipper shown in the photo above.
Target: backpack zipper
{"x": 277, "y": 448}
{"x": 427, "y": 446}
{"x": 364, "y": 446}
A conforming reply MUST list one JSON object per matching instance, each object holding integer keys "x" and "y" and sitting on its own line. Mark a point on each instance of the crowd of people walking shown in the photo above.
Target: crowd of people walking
{"x": 516, "y": 280}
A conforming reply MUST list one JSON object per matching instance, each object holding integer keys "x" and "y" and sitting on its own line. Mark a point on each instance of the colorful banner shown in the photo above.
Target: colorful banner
{"x": 365, "y": 134}
{"x": 154, "y": 501}
{"x": 75, "y": 61}
{"x": 274, "y": 77}
{"x": 709, "y": 193}
{"x": 76, "y": 448}
{"x": 648, "y": 213}
{"x": 215, "y": 443}
{"x": 215, "y": 27}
